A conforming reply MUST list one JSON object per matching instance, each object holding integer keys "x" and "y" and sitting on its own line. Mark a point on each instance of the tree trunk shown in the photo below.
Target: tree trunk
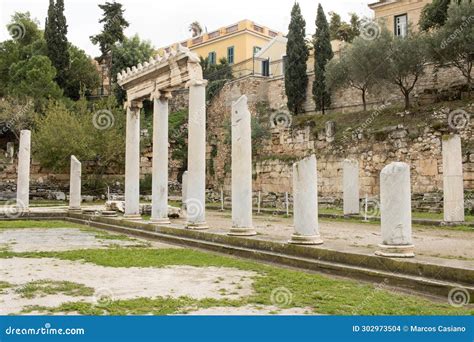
{"x": 407, "y": 100}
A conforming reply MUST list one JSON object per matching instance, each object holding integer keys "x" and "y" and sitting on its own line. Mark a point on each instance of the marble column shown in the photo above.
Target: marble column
{"x": 350, "y": 184}
{"x": 241, "y": 169}
{"x": 132, "y": 162}
{"x": 184, "y": 189}
{"x": 395, "y": 211}
{"x": 305, "y": 202}
{"x": 159, "y": 207}
{"x": 23, "y": 181}
{"x": 453, "y": 183}
{"x": 75, "y": 185}
{"x": 196, "y": 188}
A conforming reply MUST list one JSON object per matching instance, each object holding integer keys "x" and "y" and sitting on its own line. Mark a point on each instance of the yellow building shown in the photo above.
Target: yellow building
{"x": 238, "y": 43}
{"x": 399, "y": 15}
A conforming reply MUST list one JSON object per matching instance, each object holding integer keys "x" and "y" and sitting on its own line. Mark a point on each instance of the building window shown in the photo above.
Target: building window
{"x": 256, "y": 50}
{"x": 266, "y": 67}
{"x": 230, "y": 55}
{"x": 401, "y": 25}
{"x": 212, "y": 58}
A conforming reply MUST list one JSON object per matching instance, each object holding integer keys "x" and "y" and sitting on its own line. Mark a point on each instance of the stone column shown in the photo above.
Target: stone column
{"x": 350, "y": 184}
{"x": 23, "y": 182}
{"x": 453, "y": 183}
{"x": 305, "y": 202}
{"x": 395, "y": 211}
{"x": 196, "y": 188}
{"x": 159, "y": 208}
{"x": 184, "y": 189}
{"x": 132, "y": 162}
{"x": 241, "y": 170}
{"x": 75, "y": 184}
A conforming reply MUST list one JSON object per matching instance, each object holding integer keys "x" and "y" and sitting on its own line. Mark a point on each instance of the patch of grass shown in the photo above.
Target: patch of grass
{"x": 4, "y": 285}
{"x": 325, "y": 295}
{"x": 40, "y": 224}
{"x": 41, "y": 288}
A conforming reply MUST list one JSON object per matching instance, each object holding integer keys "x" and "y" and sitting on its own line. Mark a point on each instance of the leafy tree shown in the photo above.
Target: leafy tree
{"x": 195, "y": 28}
{"x": 82, "y": 76}
{"x": 101, "y": 149}
{"x": 454, "y": 42}
{"x": 406, "y": 62}
{"x": 296, "y": 79}
{"x": 23, "y": 29}
{"x": 34, "y": 78}
{"x": 128, "y": 53}
{"x": 360, "y": 66}
{"x": 322, "y": 54}
{"x": 341, "y": 30}
{"x": 55, "y": 34}
{"x": 435, "y": 14}
{"x": 15, "y": 115}
{"x": 216, "y": 74}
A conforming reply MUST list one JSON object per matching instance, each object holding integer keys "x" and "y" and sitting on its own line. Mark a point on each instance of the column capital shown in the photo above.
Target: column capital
{"x": 161, "y": 94}
{"x": 196, "y": 82}
{"x": 133, "y": 105}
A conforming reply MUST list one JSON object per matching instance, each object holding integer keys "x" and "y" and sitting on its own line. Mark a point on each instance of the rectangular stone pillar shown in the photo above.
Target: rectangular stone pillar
{"x": 132, "y": 162}
{"x": 395, "y": 211}
{"x": 23, "y": 181}
{"x": 350, "y": 184}
{"x": 241, "y": 169}
{"x": 453, "y": 183}
{"x": 305, "y": 202}
{"x": 75, "y": 185}
{"x": 196, "y": 188}
{"x": 159, "y": 207}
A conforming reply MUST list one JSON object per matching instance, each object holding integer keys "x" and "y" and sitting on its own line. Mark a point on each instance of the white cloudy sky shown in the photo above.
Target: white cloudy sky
{"x": 165, "y": 22}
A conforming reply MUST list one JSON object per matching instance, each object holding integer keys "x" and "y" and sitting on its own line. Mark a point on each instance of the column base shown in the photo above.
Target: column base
{"x": 234, "y": 231}
{"x": 297, "y": 239}
{"x": 88, "y": 211}
{"x": 392, "y": 251}
{"x": 159, "y": 221}
{"x": 74, "y": 209}
{"x": 132, "y": 217}
{"x": 196, "y": 225}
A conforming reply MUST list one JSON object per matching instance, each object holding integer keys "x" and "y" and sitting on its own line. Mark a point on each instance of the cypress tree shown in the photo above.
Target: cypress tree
{"x": 296, "y": 79}
{"x": 322, "y": 55}
{"x": 57, "y": 45}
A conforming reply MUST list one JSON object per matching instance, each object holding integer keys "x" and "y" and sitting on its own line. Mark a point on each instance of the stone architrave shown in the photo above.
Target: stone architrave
{"x": 159, "y": 210}
{"x": 453, "y": 181}
{"x": 23, "y": 181}
{"x": 350, "y": 184}
{"x": 196, "y": 187}
{"x": 241, "y": 169}
{"x": 75, "y": 185}
{"x": 395, "y": 211}
{"x": 305, "y": 202}
{"x": 132, "y": 162}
